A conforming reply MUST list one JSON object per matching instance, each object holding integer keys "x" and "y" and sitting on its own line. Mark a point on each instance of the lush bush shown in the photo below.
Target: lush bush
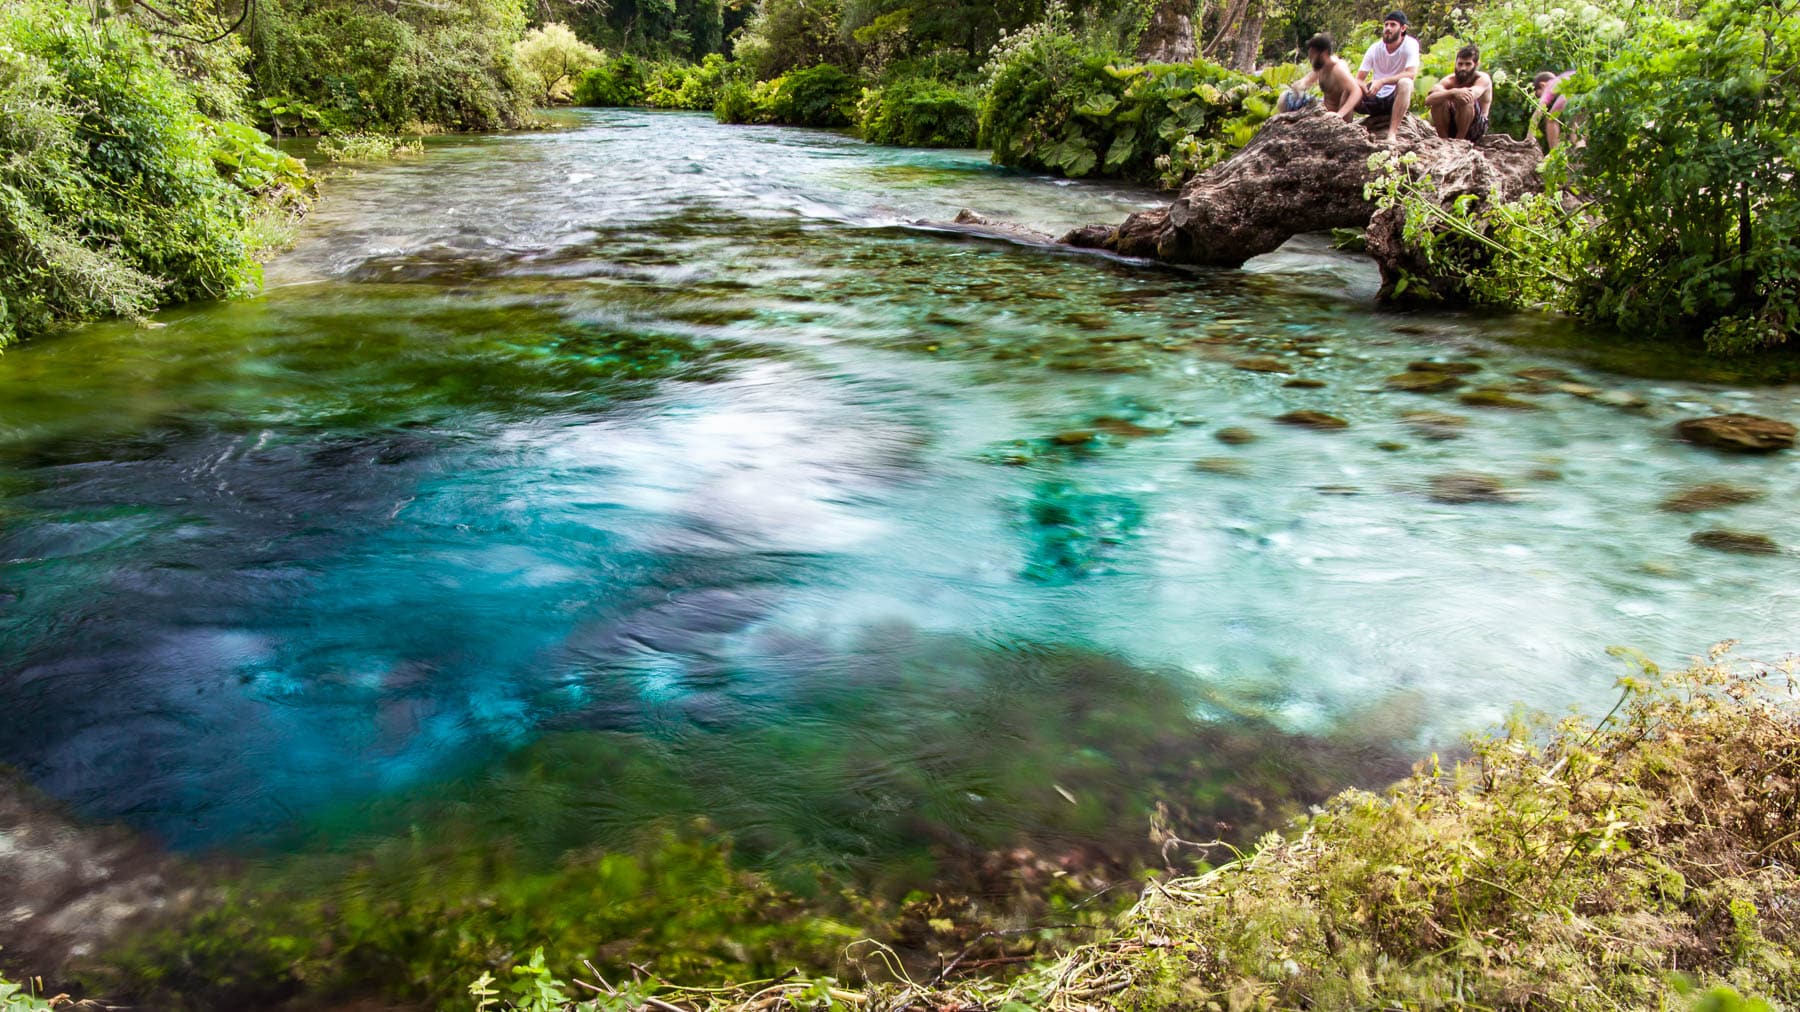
{"x": 359, "y": 66}
{"x": 1055, "y": 104}
{"x": 1692, "y": 139}
{"x": 367, "y": 147}
{"x": 821, "y": 96}
{"x": 553, "y": 58}
{"x": 914, "y": 112}
{"x": 619, "y": 81}
{"x": 785, "y": 35}
{"x": 687, "y": 85}
{"x": 110, "y": 199}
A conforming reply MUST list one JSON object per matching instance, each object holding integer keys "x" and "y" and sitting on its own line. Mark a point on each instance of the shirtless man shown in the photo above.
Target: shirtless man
{"x": 1460, "y": 102}
{"x": 1387, "y": 73}
{"x": 1332, "y": 75}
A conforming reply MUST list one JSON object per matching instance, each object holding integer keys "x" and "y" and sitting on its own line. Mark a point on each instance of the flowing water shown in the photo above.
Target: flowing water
{"x": 679, "y": 432}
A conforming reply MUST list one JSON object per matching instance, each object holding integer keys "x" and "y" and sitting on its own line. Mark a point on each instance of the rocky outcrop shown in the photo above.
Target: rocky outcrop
{"x": 1738, "y": 433}
{"x": 66, "y": 888}
{"x": 1303, "y": 172}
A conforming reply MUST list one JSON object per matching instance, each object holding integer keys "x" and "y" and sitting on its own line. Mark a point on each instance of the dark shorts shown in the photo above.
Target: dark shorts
{"x": 1373, "y": 106}
{"x": 1479, "y": 130}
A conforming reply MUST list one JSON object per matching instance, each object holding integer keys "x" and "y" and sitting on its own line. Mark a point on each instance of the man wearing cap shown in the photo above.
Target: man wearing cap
{"x": 1394, "y": 62}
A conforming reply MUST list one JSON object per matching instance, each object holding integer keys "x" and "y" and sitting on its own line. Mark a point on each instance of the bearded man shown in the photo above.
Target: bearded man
{"x": 1459, "y": 103}
{"x": 1387, "y": 73}
{"x": 1333, "y": 77}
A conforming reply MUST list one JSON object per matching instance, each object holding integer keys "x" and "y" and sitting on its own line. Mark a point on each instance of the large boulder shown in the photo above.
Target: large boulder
{"x": 1303, "y": 172}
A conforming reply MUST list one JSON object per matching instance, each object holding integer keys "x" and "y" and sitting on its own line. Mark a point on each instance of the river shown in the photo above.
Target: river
{"x": 656, "y": 427}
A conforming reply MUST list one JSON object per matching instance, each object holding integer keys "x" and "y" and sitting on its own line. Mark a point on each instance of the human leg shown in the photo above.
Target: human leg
{"x": 1403, "y": 90}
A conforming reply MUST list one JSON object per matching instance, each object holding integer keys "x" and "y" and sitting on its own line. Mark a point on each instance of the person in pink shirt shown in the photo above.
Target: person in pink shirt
{"x": 1545, "y": 86}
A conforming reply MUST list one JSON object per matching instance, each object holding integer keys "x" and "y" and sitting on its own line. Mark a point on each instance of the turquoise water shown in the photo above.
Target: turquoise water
{"x": 663, "y": 428}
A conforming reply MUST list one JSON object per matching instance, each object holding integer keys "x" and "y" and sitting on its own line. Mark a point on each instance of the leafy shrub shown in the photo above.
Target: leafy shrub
{"x": 786, "y": 35}
{"x": 554, "y": 58}
{"x": 914, "y": 112}
{"x": 1054, "y": 104}
{"x": 1692, "y": 136}
{"x": 110, "y": 201}
{"x": 385, "y": 68}
{"x": 687, "y": 85}
{"x": 618, "y": 82}
{"x": 821, "y": 96}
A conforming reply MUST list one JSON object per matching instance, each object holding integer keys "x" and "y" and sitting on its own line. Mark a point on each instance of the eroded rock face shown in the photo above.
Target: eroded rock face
{"x": 66, "y": 888}
{"x": 1738, "y": 433}
{"x": 1303, "y": 172}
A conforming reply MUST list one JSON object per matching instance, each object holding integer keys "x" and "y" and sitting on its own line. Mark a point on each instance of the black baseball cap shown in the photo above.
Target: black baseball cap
{"x": 1399, "y": 16}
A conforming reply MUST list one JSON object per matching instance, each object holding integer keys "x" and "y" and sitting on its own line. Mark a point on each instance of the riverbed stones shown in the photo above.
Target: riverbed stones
{"x": 1709, "y": 496}
{"x": 1437, "y": 425}
{"x": 1446, "y": 368}
{"x": 1624, "y": 400}
{"x": 1229, "y": 466}
{"x": 1423, "y": 382}
{"x": 1581, "y": 390}
{"x": 1262, "y": 365}
{"x": 1313, "y": 420}
{"x": 1463, "y": 487}
{"x": 1073, "y": 437}
{"x": 1303, "y": 383}
{"x": 1494, "y": 397}
{"x": 1739, "y": 542}
{"x": 1737, "y": 433}
{"x": 1545, "y": 374}
{"x": 1235, "y": 435}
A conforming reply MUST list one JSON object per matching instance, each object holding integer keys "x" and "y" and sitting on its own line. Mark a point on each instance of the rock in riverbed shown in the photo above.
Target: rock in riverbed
{"x": 1737, "y": 433}
{"x": 1741, "y": 542}
{"x": 1423, "y": 382}
{"x": 1710, "y": 496}
{"x": 1235, "y": 435}
{"x": 1463, "y": 487}
{"x": 1312, "y": 420}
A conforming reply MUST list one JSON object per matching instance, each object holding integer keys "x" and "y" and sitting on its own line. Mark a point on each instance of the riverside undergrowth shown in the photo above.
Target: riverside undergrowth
{"x": 1644, "y": 860}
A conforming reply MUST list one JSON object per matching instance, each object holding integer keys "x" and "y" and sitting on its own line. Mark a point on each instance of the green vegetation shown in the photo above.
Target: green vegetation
{"x": 18, "y": 998}
{"x": 1642, "y": 861}
{"x": 553, "y": 57}
{"x": 1685, "y": 218}
{"x": 337, "y": 65}
{"x": 921, "y": 113}
{"x": 119, "y": 195}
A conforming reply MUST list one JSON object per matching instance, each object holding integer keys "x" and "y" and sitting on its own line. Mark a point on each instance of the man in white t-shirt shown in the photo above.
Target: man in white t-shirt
{"x": 1387, "y": 73}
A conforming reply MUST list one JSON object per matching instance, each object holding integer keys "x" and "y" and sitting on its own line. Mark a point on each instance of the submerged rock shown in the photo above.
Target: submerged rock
{"x": 1463, "y": 487}
{"x": 1312, "y": 420}
{"x": 1423, "y": 382}
{"x": 1546, "y": 374}
{"x": 1235, "y": 435}
{"x": 1303, "y": 383}
{"x": 1448, "y": 368}
{"x": 1710, "y": 496}
{"x": 1435, "y": 424}
{"x": 1491, "y": 397}
{"x": 1221, "y": 465}
{"x": 1737, "y": 433}
{"x": 1741, "y": 542}
{"x": 1262, "y": 365}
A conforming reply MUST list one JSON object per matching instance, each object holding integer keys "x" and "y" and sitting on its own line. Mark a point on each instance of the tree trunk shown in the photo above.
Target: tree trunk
{"x": 1169, "y": 38}
{"x": 1248, "y": 44}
